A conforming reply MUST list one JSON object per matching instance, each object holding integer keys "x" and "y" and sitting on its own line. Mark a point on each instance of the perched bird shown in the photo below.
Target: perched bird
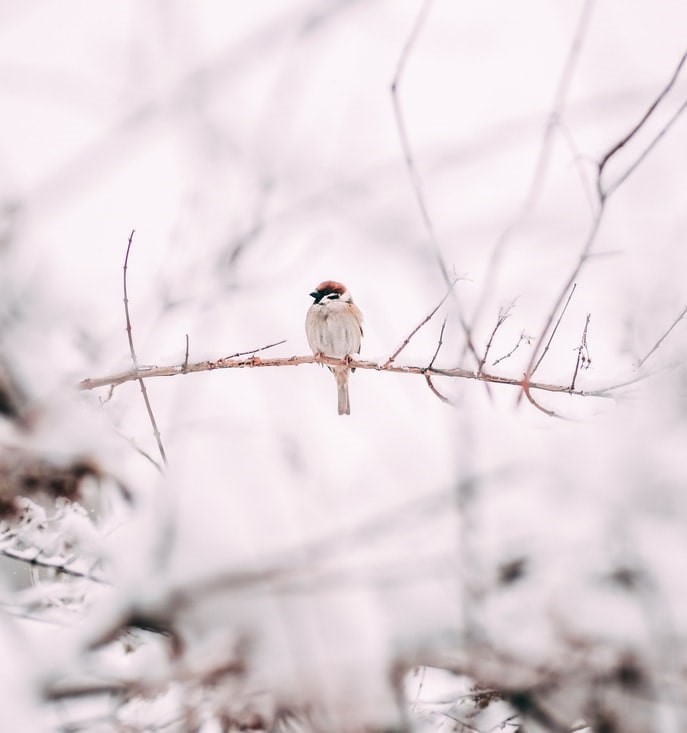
{"x": 333, "y": 326}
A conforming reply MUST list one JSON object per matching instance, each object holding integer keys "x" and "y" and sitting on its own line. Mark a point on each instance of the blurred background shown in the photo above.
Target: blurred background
{"x": 255, "y": 150}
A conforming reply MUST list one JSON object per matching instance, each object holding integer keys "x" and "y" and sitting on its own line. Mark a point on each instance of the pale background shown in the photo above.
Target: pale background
{"x": 253, "y": 148}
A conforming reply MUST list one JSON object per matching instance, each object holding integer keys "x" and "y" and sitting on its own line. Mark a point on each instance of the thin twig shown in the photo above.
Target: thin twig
{"x": 439, "y": 344}
{"x": 553, "y": 332}
{"x": 425, "y": 320}
{"x": 582, "y": 353}
{"x": 502, "y": 316}
{"x": 626, "y": 139}
{"x": 428, "y": 377}
{"x": 255, "y": 351}
{"x": 631, "y": 169}
{"x": 129, "y": 334}
{"x": 603, "y": 198}
{"x": 186, "y": 354}
{"x": 657, "y": 345}
{"x": 523, "y": 337}
{"x": 581, "y": 259}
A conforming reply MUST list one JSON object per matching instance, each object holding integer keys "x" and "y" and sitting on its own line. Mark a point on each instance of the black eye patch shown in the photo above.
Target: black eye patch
{"x": 320, "y": 295}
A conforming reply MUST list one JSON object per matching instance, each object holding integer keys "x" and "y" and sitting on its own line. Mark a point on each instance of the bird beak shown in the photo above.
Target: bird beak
{"x": 314, "y": 294}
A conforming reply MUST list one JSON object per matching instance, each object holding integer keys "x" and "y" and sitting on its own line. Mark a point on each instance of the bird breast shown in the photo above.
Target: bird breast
{"x": 333, "y": 330}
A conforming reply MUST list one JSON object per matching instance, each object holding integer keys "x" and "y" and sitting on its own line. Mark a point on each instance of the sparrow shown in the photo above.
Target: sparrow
{"x": 333, "y": 326}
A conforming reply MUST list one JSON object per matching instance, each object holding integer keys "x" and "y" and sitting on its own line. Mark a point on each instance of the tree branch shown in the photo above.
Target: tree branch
{"x": 413, "y": 173}
{"x": 657, "y": 345}
{"x": 425, "y": 320}
{"x": 59, "y": 566}
{"x": 541, "y": 165}
{"x": 626, "y": 139}
{"x": 144, "y": 391}
{"x": 255, "y": 362}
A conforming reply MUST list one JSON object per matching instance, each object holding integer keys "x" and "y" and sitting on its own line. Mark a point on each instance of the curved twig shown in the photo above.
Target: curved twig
{"x": 134, "y": 359}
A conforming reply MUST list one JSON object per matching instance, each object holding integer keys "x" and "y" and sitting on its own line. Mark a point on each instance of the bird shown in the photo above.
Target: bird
{"x": 333, "y": 326}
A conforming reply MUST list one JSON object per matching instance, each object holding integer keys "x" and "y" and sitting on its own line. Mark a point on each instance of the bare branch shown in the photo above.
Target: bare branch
{"x": 129, "y": 334}
{"x": 439, "y": 345}
{"x": 581, "y": 259}
{"x": 186, "y": 354}
{"x": 425, "y": 320}
{"x": 596, "y": 223}
{"x": 657, "y": 345}
{"x": 415, "y": 180}
{"x": 577, "y": 158}
{"x": 626, "y": 139}
{"x": 413, "y": 173}
{"x": 503, "y": 315}
{"x": 631, "y": 169}
{"x": 603, "y": 197}
{"x": 583, "y": 359}
{"x": 436, "y": 392}
{"x": 255, "y": 351}
{"x": 149, "y": 372}
{"x": 59, "y": 566}
{"x": 523, "y": 337}
{"x": 526, "y": 390}
{"x": 543, "y": 157}
{"x": 553, "y": 332}
{"x": 428, "y": 377}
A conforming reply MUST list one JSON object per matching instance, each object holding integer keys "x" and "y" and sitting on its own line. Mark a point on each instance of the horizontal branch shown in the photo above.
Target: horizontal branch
{"x": 254, "y": 362}
{"x": 59, "y": 566}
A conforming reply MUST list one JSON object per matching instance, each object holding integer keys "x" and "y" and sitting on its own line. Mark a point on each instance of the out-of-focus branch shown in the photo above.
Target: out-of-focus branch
{"x": 60, "y": 566}
{"x": 413, "y": 173}
{"x": 657, "y": 345}
{"x": 604, "y": 196}
{"x": 554, "y": 121}
{"x": 626, "y": 139}
{"x": 134, "y": 359}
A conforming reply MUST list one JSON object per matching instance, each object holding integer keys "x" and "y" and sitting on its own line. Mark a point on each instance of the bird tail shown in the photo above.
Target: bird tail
{"x": 342, "y": 392}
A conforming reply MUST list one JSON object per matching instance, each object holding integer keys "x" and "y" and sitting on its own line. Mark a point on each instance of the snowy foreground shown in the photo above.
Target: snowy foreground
{"x": 496, "y": 544}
